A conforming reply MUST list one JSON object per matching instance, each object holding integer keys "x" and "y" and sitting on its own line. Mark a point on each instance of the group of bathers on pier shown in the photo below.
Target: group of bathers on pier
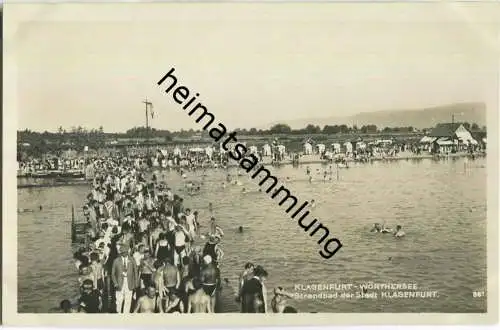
{"x": 141, "y": 251}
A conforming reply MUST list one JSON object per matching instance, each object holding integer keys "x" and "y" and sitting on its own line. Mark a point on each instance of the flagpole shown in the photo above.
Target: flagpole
{"x": 146, "y": 103}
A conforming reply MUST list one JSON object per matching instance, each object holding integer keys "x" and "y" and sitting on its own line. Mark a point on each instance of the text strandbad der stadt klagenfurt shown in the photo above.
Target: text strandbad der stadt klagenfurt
{"x": 249, "y": 162}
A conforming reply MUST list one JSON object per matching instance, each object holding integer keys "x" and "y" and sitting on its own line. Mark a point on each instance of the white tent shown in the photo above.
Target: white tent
{"x": 281, "y": 149}
{"x": 197, "y": 150}
{"x": 253, "y": 149}
{"x": 321, "y": 148}
{"x": 307, "y": 148}
{"x": 177, "y": 151}
{"x": 336, "y": 147}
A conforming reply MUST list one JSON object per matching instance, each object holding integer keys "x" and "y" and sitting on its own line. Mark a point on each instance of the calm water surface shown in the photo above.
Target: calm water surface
{"x": 441, "y": 208}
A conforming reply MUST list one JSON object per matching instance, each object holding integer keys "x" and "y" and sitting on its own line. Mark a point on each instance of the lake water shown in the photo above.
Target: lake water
{"x": 441, "y": 207}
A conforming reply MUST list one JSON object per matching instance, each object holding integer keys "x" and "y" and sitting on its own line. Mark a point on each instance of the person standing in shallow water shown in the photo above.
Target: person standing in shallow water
{"x": 254, "y": 293}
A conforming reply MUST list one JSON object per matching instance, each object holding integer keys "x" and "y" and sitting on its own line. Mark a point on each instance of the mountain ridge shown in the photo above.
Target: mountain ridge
{"x": 472, "y": 112}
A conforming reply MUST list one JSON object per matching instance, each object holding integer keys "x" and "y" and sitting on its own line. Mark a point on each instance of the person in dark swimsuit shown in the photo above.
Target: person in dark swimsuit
{"x": 163, "y": 248}
{"x": 253, "y": 299}
{"x": 210, "y": 280}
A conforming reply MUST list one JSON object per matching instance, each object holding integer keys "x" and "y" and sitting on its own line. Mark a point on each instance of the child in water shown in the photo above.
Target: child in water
{"x": 399, "y": 233}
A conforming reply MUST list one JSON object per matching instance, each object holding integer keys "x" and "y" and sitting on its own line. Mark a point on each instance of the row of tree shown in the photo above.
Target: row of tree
{"x": 38, "y": 143}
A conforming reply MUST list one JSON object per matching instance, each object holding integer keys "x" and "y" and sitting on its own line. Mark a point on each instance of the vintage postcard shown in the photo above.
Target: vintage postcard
{"x": 338, "y": 160}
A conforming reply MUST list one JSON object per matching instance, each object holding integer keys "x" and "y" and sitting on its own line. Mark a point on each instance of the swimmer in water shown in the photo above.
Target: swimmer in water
{"x": 313, "y": 203}
{"x": 244, "y": 190}
{"x": 308, "y": 170}
{"x": 385, "y": 229}
{"x": 279, "y": 301}
{"x": 376, "y": 228}
{"x": 240, "y": 229}
{"x": 310, "y": 178}
{"x": 399, "y": 233}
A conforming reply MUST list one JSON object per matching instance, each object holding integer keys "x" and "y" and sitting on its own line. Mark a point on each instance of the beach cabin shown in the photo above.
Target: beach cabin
{"x": 266, "y": 150}
{"x": 221, "y": 149}
{"x": 197, "y": 150}
{"x": 209, "y": 151}
{"x": 177, "y": 151}
{"x": 348, "y": 147}
{"x": 360, "y": 145}
{"x": 460, "y": 136}
{"x": 253, "y": 150}
{"x": 321, "y": 148}
{"x": 156, "y": 163}
{"x": 308, "y": 149}
{"x": 426, "y": 143}
{"x": 383, "y": 143}
{"x": 281, "y": 149}
{"x": 443, "y": 145}
{"x": 336, "y": 148}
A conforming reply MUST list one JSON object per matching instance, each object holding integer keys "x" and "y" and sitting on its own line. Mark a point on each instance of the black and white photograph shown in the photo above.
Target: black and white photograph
{"x": 267, "y": 158}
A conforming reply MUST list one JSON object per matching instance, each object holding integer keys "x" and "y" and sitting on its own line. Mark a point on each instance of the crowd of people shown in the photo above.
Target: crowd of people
{"x": 145, "y": 252}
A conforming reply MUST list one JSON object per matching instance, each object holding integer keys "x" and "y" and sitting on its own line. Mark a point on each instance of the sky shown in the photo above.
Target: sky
{"x": 251, "y": 64}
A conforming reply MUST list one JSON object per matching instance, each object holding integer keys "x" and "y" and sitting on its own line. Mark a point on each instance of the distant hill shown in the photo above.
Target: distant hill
{"x": 418, "y": 118}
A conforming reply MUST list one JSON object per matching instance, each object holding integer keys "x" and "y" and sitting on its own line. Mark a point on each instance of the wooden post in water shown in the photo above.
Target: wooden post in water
{"x": 73, "y": 230}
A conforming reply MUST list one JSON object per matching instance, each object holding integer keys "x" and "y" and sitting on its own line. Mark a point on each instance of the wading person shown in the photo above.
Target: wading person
{"x": 245, "y": 275}
{"x": 279, "y": 301}
{"x": 254, "y": 293}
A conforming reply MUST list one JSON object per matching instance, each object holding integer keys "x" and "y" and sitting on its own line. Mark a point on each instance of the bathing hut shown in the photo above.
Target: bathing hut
{"x": 281, "y": 149}
{"x": 266, "y": 150}
{"x": 308, "y": 148}
{"x": 443, "y": 145}
{"x": 156, "y": 162}
{"x": 209, "y": 152}
{"x": 336, "y": 148}
{"x": 253, "y": 150}
{"x": 360, "y": 145}
{"x": 321, "y": 148}
{"x": 348, "y": 147}
{"x": 177, "y": 151}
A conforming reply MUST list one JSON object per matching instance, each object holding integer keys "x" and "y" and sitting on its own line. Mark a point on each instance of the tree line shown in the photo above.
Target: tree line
{"x": 78, "y": 137}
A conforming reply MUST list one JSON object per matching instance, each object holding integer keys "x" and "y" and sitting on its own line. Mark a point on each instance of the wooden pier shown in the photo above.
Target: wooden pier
{"x": 225, "y": 296}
